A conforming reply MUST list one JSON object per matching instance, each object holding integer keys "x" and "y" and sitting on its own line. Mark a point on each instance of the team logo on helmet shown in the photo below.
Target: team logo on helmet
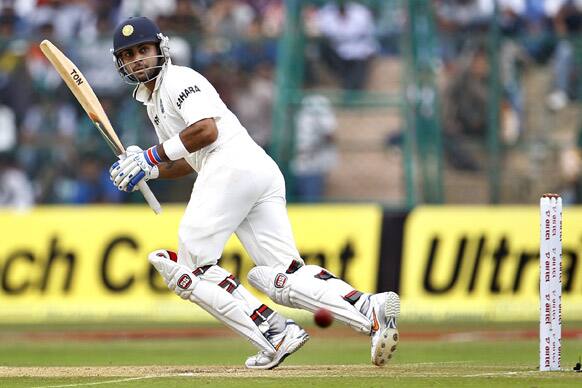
{"x": 127, "y": 30}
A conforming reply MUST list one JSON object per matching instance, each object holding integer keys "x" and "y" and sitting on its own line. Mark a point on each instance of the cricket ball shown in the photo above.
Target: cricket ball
{"x": 323, "y": 317}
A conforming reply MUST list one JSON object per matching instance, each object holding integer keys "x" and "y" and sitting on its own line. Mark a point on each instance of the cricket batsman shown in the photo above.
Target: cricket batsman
{"x": 239, "y": 189}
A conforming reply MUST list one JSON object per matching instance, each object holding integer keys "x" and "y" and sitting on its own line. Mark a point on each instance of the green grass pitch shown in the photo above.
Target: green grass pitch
{"x": 451, "y": 355}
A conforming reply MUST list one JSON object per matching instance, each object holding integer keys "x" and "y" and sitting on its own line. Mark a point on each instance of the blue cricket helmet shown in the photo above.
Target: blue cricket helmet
{"x": 135, "y": 30}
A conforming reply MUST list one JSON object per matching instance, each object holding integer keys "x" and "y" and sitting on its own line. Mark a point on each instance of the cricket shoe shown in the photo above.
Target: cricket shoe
{"x": 383, "y": 311}
{"x": 285, "y": 343}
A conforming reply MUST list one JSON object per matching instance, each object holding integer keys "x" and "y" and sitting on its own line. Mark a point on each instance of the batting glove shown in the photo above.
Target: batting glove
{"x": 133, "y": 167}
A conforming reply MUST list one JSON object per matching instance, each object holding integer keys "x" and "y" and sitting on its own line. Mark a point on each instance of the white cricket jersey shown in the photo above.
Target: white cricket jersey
{"x": 182, "y": 97}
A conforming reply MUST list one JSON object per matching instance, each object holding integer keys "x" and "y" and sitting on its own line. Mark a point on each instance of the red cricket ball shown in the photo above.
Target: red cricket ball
{"x": 323, "y": 317}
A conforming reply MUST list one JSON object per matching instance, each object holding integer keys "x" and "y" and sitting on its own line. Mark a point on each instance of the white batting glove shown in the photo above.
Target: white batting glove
{"x": 133, "y": 167}
{"x": 115, "y": 172}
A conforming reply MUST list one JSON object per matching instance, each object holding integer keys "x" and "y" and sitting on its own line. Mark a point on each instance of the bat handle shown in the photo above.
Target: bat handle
{"x": 144, "y": 188}
{"x": 149, "y": 197}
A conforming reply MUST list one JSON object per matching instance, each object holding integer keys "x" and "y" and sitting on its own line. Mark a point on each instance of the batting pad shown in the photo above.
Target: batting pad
{"x": 303, "y": 289}
{"x": 213, "y": 299}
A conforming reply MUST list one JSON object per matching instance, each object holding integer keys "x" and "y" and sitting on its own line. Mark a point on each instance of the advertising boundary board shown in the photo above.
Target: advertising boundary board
{"x": 87, "y": 264}
{"x": 482, "y": 263}
{"x": 447, "y": 262}
{"x": 391, "y": 244}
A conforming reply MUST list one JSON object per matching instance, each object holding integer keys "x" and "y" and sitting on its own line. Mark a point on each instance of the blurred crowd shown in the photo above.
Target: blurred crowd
{"x": 50, "y": 153}
{"x": 47, "y": 142}
{"x": 48, "y": 145}
{"x": 532, "y": 33}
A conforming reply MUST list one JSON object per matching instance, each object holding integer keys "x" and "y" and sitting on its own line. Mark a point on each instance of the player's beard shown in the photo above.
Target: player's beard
{"x": 143, "y": 70}
{"x": 145, "y": 74}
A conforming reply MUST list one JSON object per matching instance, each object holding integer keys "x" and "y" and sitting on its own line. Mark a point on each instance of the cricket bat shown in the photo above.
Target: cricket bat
{"x": 84, "y": 94}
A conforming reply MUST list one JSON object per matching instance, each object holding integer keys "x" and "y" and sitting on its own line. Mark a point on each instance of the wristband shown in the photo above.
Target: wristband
{"x": 152, "y": 157}
{"x": 174, "y": 148}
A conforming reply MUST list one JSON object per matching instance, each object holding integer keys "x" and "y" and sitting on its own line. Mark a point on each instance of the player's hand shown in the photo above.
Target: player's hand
{"x": 115, "y": 172}
{"x": 134, "y": 166}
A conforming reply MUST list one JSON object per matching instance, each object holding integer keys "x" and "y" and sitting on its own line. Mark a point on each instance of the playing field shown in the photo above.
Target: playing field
{"x": 467, "y": 355}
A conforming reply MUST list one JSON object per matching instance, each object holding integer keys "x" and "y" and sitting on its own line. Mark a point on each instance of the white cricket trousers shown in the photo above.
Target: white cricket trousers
{"x": 241, "y": 190}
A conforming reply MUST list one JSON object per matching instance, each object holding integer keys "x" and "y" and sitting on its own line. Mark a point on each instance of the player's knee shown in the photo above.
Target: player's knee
{"x": 199, "y": 253}
{"x": 317, "y": 272}
{"x": 273, "y": 282}
{"x": 294, "y": 264}
{"x": 217, "y": 275}
{"x": 261, "y": 278}
{"x": 163, "y": 254}
{"x": 177, "y": 277}
{"x": 184, "y": 234}
{"x": 289, "y": 265}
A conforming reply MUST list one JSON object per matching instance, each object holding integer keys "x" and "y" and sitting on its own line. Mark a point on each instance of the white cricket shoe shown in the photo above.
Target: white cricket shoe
{"x": 285, "y": 343}
{"x": 384, "y": 309}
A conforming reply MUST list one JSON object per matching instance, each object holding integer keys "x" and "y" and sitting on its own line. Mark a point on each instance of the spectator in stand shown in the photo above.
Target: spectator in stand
{"x": 47, "y": 139}
{"x": 253, "y": 103}
{"x": 571, "y": 173}
{"x": 92, "y": 55}
{"x": 226, "y": 22}
{"x": 259, "y": 6}
{"x": 315, "y": 151}
{"x": 255, "y": 48}
{"x": 102, "y": 14}
{"x": 15, "y": 90}
{"x": 229, "y": 18}
{"x": 186, "y": 20}
{"x": 8, "y": 130}
{"x": 272, "y": 15}
{"x": 460, "y": 22}
{"x": 92, "y": 183}
{"x": 349, "y": 43}
{"x": 527, "y": 27}
{"x": 18, "y": 24}
{"x": 180, "y": 42}
{"x": 530, "y": 23}
{"x": 465, "y": 105}
{"x": 48, "y": 127}
{"x": 11, "y": 176}
{"x": 223, "y": 75}
{"x": 568, "y": 25}
{"x": 16, "y": 191}
{"x": 148, "y": 8}
{"x": 39, "y": 69}
{"x": 67, "y": 17}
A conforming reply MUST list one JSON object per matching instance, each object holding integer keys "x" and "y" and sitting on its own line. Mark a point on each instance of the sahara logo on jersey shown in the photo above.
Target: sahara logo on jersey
{"x": 188, "y": 91}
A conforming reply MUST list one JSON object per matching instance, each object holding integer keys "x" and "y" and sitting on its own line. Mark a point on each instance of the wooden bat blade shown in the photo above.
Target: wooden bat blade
{"x": 78, "y": 85}
{"x": 84, "y": 94}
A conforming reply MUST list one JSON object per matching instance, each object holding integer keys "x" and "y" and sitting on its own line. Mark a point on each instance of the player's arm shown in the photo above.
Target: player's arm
{"x": 174, "y": 169}
{"x": 165, "y": 160}
{"x": 191, "y": 139}
{"x": 196, "y": 136}
{"x": 197, "y": 104}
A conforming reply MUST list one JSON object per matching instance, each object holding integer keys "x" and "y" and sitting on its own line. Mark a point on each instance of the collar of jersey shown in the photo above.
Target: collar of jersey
{"x": 142, "y": 94}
